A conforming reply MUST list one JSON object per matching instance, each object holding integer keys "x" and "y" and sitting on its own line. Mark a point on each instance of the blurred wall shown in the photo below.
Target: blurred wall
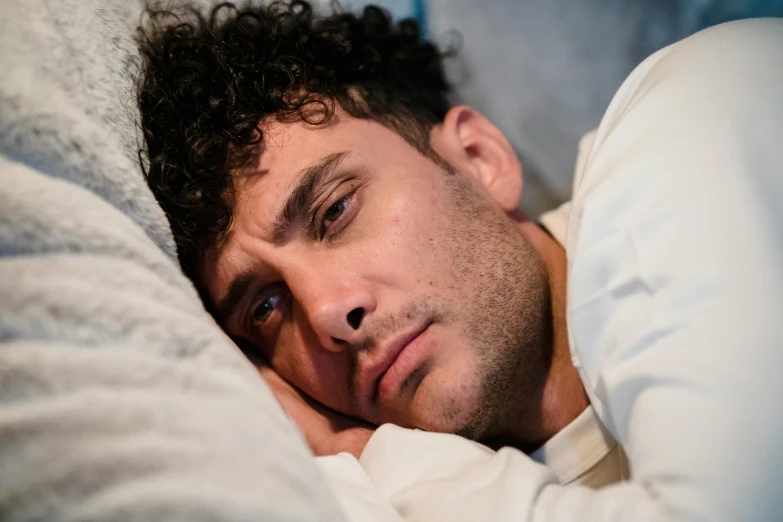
{"x": 544, "y": 71}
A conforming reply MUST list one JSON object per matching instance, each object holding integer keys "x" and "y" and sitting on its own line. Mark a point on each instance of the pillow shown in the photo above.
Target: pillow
{"x": 119, "y": 398}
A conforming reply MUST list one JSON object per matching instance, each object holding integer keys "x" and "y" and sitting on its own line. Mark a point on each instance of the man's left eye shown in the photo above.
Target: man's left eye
{"x": 335, "y": 212}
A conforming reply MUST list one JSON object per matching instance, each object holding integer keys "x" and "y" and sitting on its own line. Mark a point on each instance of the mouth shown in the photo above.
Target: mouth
{"x": 395, "y": 362}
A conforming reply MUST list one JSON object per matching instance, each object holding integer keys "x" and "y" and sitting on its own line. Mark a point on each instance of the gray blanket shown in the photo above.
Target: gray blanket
{"x": 119, "y": 398}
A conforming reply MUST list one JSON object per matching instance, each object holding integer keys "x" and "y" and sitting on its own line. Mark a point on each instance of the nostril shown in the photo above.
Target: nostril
{"x": 355, "y": 317}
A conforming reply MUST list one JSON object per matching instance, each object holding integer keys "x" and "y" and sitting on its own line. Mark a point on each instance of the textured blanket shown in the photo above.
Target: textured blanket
{"x": 119, "y": 398}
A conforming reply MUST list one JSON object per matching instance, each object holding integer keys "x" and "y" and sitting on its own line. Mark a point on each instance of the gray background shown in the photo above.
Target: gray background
{"x": 544, "y": 71}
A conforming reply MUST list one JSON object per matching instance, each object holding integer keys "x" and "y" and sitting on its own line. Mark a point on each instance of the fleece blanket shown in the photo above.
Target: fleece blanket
{"x": 119, "y": 398}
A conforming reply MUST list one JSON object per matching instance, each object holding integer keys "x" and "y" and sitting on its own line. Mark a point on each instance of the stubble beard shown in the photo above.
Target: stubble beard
{"x": 507, "y": 322}
{"x": 510, "y": 328}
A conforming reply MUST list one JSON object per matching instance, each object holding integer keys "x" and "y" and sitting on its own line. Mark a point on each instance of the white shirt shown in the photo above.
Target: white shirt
{"x": 584, "y": 452}
{"x": 674, "y": 309}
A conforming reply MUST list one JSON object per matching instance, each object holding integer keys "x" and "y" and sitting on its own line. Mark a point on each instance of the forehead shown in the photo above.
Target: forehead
{"x": 290, "y": 147}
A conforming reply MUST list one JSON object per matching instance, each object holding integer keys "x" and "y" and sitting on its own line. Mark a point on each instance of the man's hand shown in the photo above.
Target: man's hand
{"x": 326, "y": 431}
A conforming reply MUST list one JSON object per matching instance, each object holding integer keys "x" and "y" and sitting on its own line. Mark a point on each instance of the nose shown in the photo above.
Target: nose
{"x": 335, "y": 303}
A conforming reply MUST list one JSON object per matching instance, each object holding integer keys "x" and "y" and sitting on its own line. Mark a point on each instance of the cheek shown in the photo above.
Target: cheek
{"x": 408, "y": 238}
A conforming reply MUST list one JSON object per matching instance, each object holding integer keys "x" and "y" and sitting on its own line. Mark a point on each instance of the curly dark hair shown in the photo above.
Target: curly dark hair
{"x": 210, "y": 79}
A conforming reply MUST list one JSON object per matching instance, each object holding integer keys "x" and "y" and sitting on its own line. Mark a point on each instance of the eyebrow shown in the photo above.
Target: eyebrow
{"x": 310, "y": 179}
{"x": 237, "y": 290}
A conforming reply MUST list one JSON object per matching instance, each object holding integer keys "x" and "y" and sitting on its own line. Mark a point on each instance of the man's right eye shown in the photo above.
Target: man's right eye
{"x": 264, "y": 309}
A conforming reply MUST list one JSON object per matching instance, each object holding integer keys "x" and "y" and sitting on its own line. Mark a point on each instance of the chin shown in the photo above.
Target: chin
{"x": 447, "y": 405}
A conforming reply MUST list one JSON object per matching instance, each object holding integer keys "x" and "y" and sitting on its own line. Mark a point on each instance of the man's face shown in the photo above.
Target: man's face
{"x": 381, "y": 284}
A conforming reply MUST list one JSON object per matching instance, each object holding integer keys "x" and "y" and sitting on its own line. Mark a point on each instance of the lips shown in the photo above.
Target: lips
{"x": 387, "y": 355}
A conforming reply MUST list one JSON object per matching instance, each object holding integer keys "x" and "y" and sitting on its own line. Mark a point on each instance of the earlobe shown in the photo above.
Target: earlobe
{"x": 474, "y": 145}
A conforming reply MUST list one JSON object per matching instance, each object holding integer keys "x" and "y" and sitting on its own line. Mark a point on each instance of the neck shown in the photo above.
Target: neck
{"x": 563, "y": 395}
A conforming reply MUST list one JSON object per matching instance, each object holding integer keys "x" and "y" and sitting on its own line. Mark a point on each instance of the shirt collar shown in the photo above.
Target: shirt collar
{"x": 577, "y": 448}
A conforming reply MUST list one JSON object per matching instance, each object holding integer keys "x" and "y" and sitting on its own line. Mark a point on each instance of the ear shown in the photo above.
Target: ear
{"x": 473, "y": 145}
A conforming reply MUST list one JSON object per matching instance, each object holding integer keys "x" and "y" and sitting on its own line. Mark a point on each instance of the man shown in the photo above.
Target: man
{"x": 344, "y": 224}
{"x": 497, "y": 365}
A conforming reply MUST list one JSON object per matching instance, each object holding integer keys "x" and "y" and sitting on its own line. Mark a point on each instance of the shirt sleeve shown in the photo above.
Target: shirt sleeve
{"x": 675, "y": 304}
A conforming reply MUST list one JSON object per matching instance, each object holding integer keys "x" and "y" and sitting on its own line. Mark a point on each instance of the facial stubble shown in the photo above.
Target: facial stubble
{"x": 510, "y": 326}
{"x": 507, "y": 321}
